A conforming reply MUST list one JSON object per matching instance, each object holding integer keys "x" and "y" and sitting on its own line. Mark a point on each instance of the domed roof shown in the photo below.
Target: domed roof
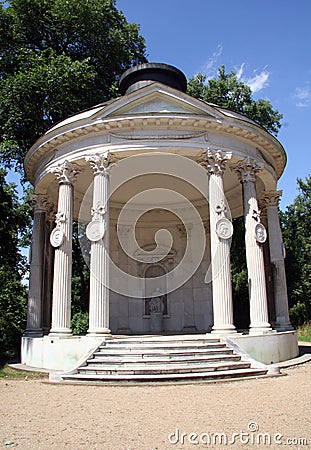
{"x": 155, "y": 109}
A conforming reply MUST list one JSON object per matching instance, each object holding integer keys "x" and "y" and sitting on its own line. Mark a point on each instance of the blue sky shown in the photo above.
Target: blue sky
{"x": 267, "y": 42}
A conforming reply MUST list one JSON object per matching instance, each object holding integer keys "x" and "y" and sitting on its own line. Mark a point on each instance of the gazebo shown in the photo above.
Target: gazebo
{"x": 154, "y": 179}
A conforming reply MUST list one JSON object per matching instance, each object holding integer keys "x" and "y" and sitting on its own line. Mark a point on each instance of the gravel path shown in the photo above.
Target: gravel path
{"x": 41, "y": 416}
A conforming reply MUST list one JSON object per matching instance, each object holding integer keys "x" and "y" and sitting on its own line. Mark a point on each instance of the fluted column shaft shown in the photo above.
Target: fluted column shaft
{"x": 61, "y": 303}
{"x": 270, "y": 201}
{"x": 259, "y": 320}
{"x": 99, "y": 260}
{"x": 48, "y": 275}
{"x": 34, "y": 311}
{"x": 214, "y": 162}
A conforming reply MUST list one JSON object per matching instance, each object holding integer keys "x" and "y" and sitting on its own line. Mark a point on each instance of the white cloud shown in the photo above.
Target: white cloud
{"x": 302, "y": 96}
{"x": 210, "y": 67}
{"x": 239, "y": 71}
{"x": 257, "y": 82}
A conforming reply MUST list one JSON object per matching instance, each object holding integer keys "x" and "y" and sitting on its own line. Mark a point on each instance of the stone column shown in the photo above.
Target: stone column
{"x": 61, "y": 239}
{"x": 268, "y": 268}
{"x": 34, "y": 312}
{"x": 98, "y": 232}
{"x": 270, "y": 202}
{"x": 254, "y": 236}
{"x": 221, "y": 231}
{"x": 48, "y": 271}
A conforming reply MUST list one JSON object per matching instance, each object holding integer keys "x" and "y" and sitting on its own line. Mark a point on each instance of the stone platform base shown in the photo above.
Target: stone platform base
{"x": 270, "y": 348}
{"x": 57, "y": 353}
{"x": 63, "y": 353}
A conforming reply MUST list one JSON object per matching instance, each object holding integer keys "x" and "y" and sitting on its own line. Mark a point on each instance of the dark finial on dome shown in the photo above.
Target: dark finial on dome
{"x": 138, "y": 76}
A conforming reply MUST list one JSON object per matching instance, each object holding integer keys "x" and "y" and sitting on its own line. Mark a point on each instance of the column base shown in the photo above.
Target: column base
{"x": 282, "y": 323}
{"x": 284, "y": 327}
{"x": 46, "y": 331}
{"x": 98, "y": 332}
{"x": 60, "y": 333}
{"x": 217, "y": 329}
{"x": 261, "y": 329}
{"x": 33, "y": 333}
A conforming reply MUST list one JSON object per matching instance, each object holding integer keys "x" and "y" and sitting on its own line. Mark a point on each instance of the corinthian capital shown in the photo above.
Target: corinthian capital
{"x": 247, "y": 169}
{"x": 66, "y": 173}
{"x": 39, "y": 202}
{"x": 214, "y": 161}
{"x": 101, "y": 163}
{"x": 270, "y": 198}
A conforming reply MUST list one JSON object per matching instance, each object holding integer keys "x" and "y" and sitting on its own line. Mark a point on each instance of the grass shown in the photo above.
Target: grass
{"x": 304, "y": 332}
{"x": 8, "y": 372}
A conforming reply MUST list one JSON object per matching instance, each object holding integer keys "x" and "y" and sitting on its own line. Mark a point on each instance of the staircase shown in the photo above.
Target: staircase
{"x": 156, "y": 358}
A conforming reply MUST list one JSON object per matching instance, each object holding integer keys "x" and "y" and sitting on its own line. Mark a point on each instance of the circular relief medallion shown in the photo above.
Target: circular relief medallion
{"x": 224, "y": 228}
{"x": 95, "y": 230}
{"x": 260, "y": 233}
{"x": 57, "y": 237}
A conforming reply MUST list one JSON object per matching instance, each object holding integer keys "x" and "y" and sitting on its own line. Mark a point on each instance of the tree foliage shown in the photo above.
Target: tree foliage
{"x": 296, "y": 224}
{"x": 58, "y": 57}
{"x": 239, "y": 275}
{"x": 228, "y": 92}
{"x": 80, "y": 269}
{"x": 14, "y": 231}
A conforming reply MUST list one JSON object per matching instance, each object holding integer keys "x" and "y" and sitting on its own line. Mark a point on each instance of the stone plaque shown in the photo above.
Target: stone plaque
{"x": 260, "y": 233}
{"x": 57, "y": 237}
{"x": 224, "y": 228}
{"x": 95, "y": 230}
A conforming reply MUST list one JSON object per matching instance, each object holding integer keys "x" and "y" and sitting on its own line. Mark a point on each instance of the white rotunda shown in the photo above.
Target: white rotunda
{"x": 154, "y": 179}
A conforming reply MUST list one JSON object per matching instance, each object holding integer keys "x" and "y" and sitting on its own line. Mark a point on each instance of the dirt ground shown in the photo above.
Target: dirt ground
{"x": 41, "y": 416}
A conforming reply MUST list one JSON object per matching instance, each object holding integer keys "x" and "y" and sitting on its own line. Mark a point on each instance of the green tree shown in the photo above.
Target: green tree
{"x": 228, "y": 92}
{"x": 80, "y": 270}
{"x": 296, "y": 225}
{"x": 239, "y": 275}
{"x": 14, "y": 231}
{"x": 58, "y": 57}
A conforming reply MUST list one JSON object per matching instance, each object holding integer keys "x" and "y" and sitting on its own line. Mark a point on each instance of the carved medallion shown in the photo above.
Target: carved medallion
{"x": 95, "y": 230}
{"x": 260, "y": 233}
{"x": 57, "y": 237}
{"x": 224, "y": 228}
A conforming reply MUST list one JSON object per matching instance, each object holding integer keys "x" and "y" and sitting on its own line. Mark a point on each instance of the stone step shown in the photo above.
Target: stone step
{"x": 160, "y": 339}
{"x": 215, "y": 375}
{"x": 156, "y": 359}
{"x": 147, "y": 352}
{"x": 161, "y": 345}
{"x": 170, "y": 368}
{"x": 152, "y": 358}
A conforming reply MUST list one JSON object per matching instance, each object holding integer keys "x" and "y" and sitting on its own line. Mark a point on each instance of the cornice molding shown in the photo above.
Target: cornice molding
{"x": 119, "y": 128}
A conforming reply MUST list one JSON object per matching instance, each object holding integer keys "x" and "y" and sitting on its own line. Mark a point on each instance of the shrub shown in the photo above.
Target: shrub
{"x": 13, "y": 311}
{"x": 298, "y": 314}
{"x": 80, "y": 323}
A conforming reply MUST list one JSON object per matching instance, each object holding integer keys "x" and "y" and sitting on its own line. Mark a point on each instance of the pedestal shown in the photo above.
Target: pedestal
{"x": 156, "y": 322}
